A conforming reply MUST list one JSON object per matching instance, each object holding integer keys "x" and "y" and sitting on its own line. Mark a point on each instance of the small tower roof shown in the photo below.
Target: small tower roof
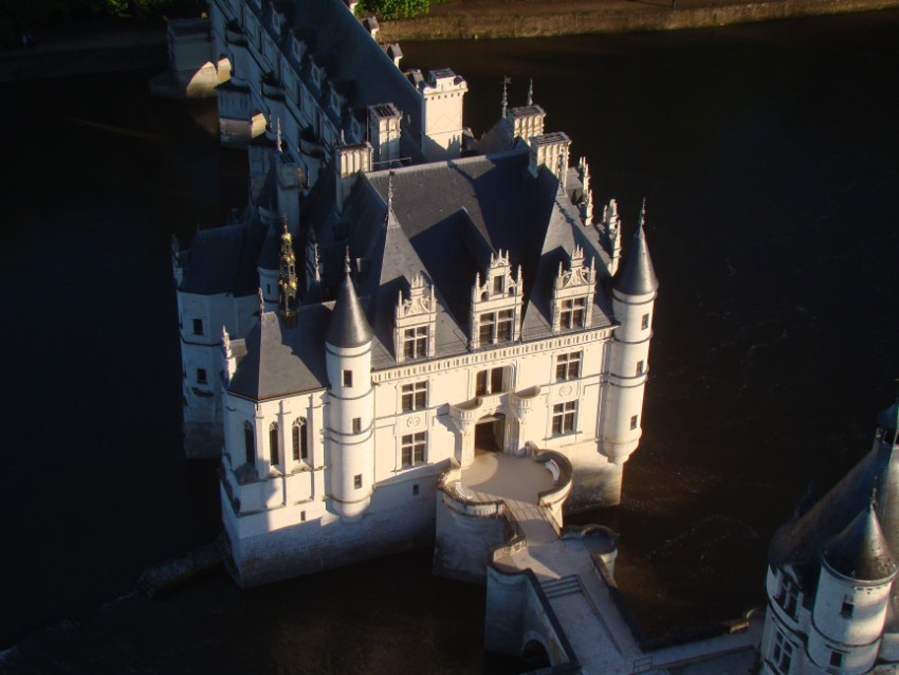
{"x": 348, "y": 326}
{"x": 889, "y": 418}
{"x": 860, "y": 551}
{"x": 637, "y": 276}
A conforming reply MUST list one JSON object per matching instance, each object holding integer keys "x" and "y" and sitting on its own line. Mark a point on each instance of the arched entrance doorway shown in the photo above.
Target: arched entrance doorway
{"x": 490, "y": 433}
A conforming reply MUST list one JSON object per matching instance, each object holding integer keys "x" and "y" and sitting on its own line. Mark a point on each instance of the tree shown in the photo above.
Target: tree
{"x": 395, "y": 9}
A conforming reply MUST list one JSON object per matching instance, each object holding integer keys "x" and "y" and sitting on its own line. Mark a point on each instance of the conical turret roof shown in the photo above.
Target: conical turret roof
{"x": 860, "y": 551}
{"x": 348, "y": 326}
{"x": 637, "y": 276}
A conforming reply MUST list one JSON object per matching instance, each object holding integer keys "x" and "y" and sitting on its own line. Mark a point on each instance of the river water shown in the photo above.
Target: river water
{"x": 769, "y": 157}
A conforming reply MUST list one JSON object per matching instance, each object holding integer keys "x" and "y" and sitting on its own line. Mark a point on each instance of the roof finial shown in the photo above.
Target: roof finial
{"x": 346, "y": 261}
{"x": 390, "y": 191}
{"x": 506, "y": 81}
{"x": 873, "y": 494}
{"x": 643, "y": 213}
{"x": 278, "y": 135}
{"x": 261, "y": 303}
{"x": 531, "y": 92}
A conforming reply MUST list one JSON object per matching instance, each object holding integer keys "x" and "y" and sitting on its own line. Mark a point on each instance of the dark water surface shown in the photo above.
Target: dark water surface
{"x": 769, "y": 155}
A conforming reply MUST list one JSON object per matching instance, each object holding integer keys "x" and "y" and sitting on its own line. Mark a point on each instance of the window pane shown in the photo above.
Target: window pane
{"x": 485, "y": 335}
{"x": 421, "y": 399}
{"x": 273, "y": 443}
{"x": 481, "y": 386}
{"x": 296, "y": 442}
{"x": 496, "y": 380}
{"x": 561, "y": 369}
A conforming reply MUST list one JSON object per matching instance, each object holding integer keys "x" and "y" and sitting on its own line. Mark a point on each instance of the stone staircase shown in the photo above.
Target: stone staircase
{"x": 556, "y": 588}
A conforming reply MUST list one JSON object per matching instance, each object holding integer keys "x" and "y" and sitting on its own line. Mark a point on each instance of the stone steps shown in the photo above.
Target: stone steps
{"x": 556, "y": 588}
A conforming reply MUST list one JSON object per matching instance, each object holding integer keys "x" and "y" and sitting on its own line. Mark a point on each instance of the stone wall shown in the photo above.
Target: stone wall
{"x": 648, "y": 17}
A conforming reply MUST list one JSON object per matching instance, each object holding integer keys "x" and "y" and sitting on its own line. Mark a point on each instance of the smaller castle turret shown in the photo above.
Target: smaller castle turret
{"x": 351, "y": 404}
{"x": 634, "y": 292}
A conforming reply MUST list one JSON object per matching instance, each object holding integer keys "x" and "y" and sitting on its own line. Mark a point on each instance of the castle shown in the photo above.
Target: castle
{"x": 412, "y": 336}
{"x": 396, "y": 295}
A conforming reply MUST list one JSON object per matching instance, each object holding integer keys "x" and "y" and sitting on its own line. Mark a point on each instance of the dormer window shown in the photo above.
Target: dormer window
{"x": 496, "y": 304}
{"x": 416, "y": 321}
{"x": 573, "y": 293}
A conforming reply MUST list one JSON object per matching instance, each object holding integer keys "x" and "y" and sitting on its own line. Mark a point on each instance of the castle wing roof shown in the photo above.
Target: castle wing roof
{"x": 800, "y": 542}
{"x": 279, "y": 360}
{"x": 860, "y": 551}
{"x": 223, "y": 259}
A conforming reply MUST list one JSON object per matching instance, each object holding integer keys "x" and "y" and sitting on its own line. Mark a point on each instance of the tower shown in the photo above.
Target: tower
{"x": 634, "y": 291}
{"x": 287, "y": 280}
{"x": 350, "y": 404}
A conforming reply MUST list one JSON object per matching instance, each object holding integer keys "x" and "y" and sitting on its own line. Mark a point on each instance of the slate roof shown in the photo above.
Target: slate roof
{"x": 637, "y": 276}
{"x": 275, "y": 360}
{"x": 351, "y": 57}
{"x": 223, "y": 259}
{"x": 860, "y": 551}
{"x": 799, "y": 543}
{"x": 348, "y": 326}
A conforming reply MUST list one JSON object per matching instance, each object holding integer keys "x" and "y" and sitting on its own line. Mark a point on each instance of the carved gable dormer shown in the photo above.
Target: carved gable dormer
{"x": 414, "y": 335}
{"x": 496, "y": 304}
{"x": 573, "y": 292}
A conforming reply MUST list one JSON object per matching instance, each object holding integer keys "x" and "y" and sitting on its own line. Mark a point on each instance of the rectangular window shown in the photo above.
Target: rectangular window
{"x": 201, "y": 376}
{"x": 781, "y": 653}
{"x": 836, "y": 659}
{"x": 644, "y": 323}
{"x": 563, "y": 417}
{"x": 347, "y": 378}
{"x": 847, "y": 609}
{"x": 634, "y": 421}
{"x": 198, "y": 326}
{"x": 300, "y": 444}
{"x": 302, "y": 516}
{"x": 504, "y": 326}
{"x": 496, "y": 380}
{"x": 357, "y": 481}
{"x": 573, "y": 313}
{"x": 568, "y": 366}
{"x": 497, "y": 285}
{"x": 415, "y": 396}
{"x": 640, "y": 366}
{"x": 415, "y": 342}
{"x": 414, "y": 490}
{"x": 481, "y": 385}
{"x": 357, "y": 425}
{"x": 485, "y": 332}
{"x": 413, "y": 448}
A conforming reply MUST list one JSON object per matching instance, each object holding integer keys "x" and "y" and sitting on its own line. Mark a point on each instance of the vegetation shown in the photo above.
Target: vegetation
{"x": 394, "y": 9}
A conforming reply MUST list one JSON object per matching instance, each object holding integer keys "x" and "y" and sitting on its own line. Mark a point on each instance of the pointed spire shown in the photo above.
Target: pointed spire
{"x": 506, "y": 81}
{"x": 348, "y": 326}
{"x": 531, "y": 92}
{"x": 637, "y": 276}
{"x": 346, "y": 262}
{"x": 860, "y": 552}
{"x": 278, "y": 137}
{"x": 261, "y": 303}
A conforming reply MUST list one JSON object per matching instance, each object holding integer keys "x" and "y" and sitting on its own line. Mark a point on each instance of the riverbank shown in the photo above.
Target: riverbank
{"x": 474, "y": 19}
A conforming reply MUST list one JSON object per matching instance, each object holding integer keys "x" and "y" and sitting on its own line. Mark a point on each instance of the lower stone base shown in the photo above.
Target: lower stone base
{"x": 203, "y": 440}
{"x": 390, "y": 525}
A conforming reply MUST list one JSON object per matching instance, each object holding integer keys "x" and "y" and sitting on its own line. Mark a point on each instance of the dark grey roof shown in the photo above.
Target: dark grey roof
{"x": 223, "y": 259}
{"x": 799, "y": 542}
{"x": 637, "y": 276}
{"x": 860, "y": 551}
{"x": 270, "y": 253}
{"x": 889, "y": 418}
{"x": 278, "y": 360}
{"x": 348, "y": 326}
{"x": 340, "y": 42}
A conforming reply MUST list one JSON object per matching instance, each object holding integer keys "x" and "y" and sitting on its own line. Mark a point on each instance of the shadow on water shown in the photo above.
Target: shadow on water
{"x": 768, "y": 154}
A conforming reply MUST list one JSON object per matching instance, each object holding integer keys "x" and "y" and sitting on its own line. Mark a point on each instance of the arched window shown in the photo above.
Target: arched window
{"x": 300, "y": 447}
{"x": 273, "y": 443}
{"x": 249, "y": 443}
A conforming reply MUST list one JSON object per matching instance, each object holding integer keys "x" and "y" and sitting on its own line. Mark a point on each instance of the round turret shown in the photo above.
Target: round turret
{"x": 857, "y": 571}
{"x": 634, "y": 292}
{"x": 351, "y": 404}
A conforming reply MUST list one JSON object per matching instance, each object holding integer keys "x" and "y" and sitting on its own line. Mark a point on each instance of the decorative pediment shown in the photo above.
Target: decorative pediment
{"x": 573, "y": 293}
{"x": 578, "y": 273}
{"x": 415, "y": 327}
{"x": 421, "y": 299}
{"x": 496, "y": 303}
